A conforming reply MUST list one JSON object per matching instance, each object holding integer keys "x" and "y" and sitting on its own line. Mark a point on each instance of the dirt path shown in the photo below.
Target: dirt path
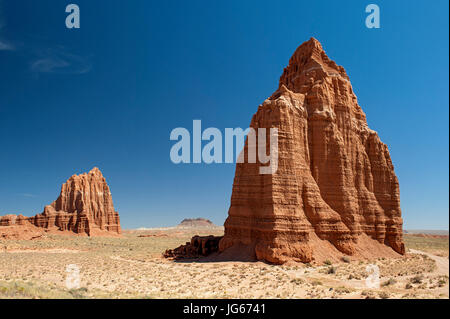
{"x": 442, "y": 263}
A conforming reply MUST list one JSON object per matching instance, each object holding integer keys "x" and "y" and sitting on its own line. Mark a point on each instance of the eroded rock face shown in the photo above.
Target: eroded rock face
{"x": 199, "y": 246}
{"x": 12, "y": 220}
{"x": 84, "y": 206}
{"x": 335, "y": 189}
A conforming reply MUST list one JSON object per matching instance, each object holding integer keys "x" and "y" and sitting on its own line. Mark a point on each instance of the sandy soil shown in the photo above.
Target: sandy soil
{"x": 442, "y": 265}
{"x": 132, "y": 267}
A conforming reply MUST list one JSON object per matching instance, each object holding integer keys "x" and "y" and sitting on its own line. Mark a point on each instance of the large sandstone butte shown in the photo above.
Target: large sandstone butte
{"x": 335, "y": 191}
{"x": 84, "y": 206}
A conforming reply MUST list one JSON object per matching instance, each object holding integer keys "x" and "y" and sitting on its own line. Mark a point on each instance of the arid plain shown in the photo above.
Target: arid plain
{"x": 132, "y": 266}
{"x": 323, "y": 222}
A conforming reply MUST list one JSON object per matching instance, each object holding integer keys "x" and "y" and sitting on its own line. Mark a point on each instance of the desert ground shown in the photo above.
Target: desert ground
{"x": 133, "y": 267}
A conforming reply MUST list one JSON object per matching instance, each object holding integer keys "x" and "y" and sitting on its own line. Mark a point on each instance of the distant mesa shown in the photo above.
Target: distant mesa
{"x": 84, "y": 206}
{"x": 196, "y": 222}
{"x": 199, "y": 246}
{"x": 427, "y": 232}
{"x": 335, "y": 192}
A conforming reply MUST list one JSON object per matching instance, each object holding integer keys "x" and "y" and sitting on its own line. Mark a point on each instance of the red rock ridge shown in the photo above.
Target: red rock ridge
{"x": 335, "y": 190}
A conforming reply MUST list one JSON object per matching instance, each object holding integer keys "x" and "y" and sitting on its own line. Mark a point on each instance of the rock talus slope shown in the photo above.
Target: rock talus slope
{"x": 198, "y": 246}
{"x": 84, "y": 206}
{"x": 335, "y": 191}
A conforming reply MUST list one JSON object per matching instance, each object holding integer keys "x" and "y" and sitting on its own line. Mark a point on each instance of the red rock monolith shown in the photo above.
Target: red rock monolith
{"x": 335, "y": 191}
{"x": 84, "y": 206}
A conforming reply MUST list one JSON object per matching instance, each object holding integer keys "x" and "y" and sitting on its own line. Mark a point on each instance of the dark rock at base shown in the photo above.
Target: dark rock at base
{"x": 199, "y": 246}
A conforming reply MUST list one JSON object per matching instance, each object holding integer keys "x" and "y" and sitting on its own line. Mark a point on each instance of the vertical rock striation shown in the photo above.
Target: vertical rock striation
{"x": 335, "y": 190}
{"x": 84, "y": 206}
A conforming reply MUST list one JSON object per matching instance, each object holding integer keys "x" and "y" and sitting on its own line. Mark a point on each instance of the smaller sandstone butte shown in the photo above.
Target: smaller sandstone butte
{"x": 84, "y": 206}
{"x": 199, "y": 246}
{"x": 196, "y": 222}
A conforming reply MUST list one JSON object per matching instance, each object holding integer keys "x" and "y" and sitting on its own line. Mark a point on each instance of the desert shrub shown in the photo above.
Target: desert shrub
{"x": 417, "y": 279}
{"x": 342, "y": 290}
{"x": 297, "y": 281}
{"x": 383, "y": 295}
{"x": 345, "y": 259}
{"x": 368, "y": 294}
{"x": 331, "y": 270}
{"x": 389, "y": 282}
{"x": 442, "y": 282}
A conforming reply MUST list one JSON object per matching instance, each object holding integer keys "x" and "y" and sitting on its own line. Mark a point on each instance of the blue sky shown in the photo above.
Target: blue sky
{"x": 109, "y": 94}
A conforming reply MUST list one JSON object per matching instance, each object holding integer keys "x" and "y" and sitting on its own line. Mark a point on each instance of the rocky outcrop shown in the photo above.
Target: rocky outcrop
{"x": 84, "y": 206}
{"x": 335, "y": 190}
{"x": 13, "y": 220}
{"x": 199, "y": 246}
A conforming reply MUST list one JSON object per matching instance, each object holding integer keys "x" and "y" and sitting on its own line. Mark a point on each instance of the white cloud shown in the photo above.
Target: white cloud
{"x": 58, "y": 60}
{"x": 28, "y": 195}
{"x": 5, "y": 46}
{"x": 55, "y": 59}
{"x": 48, "y": 65}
